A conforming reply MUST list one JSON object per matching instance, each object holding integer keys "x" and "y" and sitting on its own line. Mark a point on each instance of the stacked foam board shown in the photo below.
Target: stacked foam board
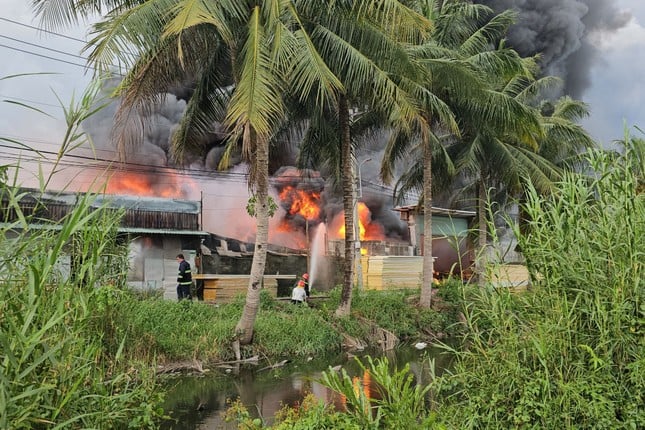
{"x": 514, "y": 276}
{"x": 393, "y": 272}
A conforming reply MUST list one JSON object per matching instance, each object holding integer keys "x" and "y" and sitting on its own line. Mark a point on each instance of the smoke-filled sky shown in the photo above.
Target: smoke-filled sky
{"x": 596, "y": 46}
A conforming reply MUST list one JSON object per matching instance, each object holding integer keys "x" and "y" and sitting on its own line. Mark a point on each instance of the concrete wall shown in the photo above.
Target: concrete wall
{"x": 153, "y": 265}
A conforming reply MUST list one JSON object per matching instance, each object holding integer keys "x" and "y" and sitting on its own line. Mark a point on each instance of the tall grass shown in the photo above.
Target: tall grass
{"x": 176, "y": 331}
{"x": 569, "y": 353}
{"x": 56, "y": 370}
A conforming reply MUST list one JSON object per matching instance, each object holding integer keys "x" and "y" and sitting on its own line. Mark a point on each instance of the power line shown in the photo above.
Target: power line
{"x": 36, "y": 45}
{"x": 135, "y": 167}
{"x": 48, "y": 48}
{"x": 46, "y": 56}
{"x": 42, "y": 29}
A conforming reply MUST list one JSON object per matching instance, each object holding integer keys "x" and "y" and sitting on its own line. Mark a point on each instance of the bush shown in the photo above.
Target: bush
{"x": 55, "y": 370}
{"x": 569, "y": 352}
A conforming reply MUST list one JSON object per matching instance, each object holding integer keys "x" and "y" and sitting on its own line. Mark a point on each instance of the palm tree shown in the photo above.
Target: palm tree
{"x": 364, "y": 46}
{"x": 268, "y": 50}
{"x": 458, "y": 60}
{"x": 262, "y": 41}
{"x": 494, "y": 157}
{"x": 506, "y": 162}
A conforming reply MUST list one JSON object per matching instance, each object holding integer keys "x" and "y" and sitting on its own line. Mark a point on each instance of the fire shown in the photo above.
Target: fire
{"x": 300, "y": 202}
{"x": 368, "y": 229}
{"x": 147, "y": 184}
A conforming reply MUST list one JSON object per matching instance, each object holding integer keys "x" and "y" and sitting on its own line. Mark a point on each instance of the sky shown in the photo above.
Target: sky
{"x": 615, "y": 92}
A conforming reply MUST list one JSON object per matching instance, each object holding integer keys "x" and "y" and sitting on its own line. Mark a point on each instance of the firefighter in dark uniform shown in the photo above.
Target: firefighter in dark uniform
{"x": 305, "y": 279}
{"x": 184, "y": 278}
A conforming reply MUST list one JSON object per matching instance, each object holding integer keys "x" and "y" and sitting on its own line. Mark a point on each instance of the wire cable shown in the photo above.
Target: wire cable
{"x": 47, "y": 56}
{"x": 42, "y": 29}
{"x": 36, "y": 45}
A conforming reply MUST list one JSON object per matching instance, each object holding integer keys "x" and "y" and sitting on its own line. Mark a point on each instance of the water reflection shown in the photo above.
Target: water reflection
{"x": 198, "y": 402}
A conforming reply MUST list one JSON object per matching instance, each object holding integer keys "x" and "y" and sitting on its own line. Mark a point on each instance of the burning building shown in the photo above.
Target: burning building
{"x": 156, "y": 228}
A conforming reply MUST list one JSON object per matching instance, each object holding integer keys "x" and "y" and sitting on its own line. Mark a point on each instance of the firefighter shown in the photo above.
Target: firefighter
{"x": 305, "y": 280}
{"x": 298, "y": 295}
{"x": 184, "y": 278}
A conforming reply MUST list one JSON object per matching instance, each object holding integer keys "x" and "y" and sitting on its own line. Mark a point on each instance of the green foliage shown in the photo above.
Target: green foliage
{"x": 313, "y": 413}
{"x": 569, "y": 352}
{"x": 398, "y": 402}
{"x": 295, "y": 331}
{"x": 395, "y": 311}
{"x": 171, "y": 331}
{"x": 55, "y": 371}
{"x": 238, "y": 413}
{"x": 250, "y": 205}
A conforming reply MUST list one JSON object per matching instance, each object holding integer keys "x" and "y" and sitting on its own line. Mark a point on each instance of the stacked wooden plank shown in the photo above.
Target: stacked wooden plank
{"x": 225, "y": 288}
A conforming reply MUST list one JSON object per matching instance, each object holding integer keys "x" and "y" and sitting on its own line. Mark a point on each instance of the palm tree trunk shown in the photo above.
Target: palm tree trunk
{"x": 482, "y": 242}
{"x": 244, "y": 328}
{"x": 425, "y": 300}
{"x": 345, "y": 304}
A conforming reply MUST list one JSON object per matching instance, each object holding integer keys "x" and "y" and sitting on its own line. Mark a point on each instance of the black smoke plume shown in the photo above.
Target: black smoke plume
{"x": 562, "y": 32}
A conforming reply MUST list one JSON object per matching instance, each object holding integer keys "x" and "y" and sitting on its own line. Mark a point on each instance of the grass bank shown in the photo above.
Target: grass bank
{"x": 169, "y": 331}
{"x": 569, "y": 353}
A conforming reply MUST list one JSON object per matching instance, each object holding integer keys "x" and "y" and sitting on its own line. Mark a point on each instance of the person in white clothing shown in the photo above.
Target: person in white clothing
{"x": 299, "y": 295}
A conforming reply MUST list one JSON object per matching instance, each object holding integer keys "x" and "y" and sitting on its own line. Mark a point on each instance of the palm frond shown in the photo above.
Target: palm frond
{"x": 257, "y": 99}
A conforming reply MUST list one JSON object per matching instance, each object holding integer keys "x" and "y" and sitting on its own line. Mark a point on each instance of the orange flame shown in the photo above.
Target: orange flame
{"x": 306, "y": 204}
{"x": 142, "y": 184}
{"x": 368, "y": 229}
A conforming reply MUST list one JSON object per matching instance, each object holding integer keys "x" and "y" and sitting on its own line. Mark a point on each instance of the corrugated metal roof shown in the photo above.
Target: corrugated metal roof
{"x": 163, "y": 231}
{"x": 134, "y": 230}
{"x": 154, "y": 204}
{"x": 158, "y": 204}
{"x": 436, "y": 211}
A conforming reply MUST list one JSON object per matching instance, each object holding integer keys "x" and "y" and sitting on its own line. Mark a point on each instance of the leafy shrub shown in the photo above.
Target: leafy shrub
{"x": 54, "y": 366}
{"x": 569, "y": 352}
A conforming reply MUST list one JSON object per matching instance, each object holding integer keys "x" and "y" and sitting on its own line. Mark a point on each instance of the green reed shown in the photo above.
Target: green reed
{"x": 568, "y": 353}
{"x": 56, "y": 368}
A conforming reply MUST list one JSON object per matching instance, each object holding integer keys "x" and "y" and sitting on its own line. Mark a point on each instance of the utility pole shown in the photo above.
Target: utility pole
{"x": 358, "y": 193}
{"x": 308, "y": 244}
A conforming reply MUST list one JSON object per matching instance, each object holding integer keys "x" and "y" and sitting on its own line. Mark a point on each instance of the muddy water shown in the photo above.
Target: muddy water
{"x": 197, "y": 402}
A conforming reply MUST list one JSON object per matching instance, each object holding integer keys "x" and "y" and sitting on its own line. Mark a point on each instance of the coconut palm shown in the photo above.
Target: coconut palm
{"x": 164, "y": 41}
{"x": 368, "y": 56}
{"x": 458, "y": 61}
{"x": 494, "y": 158}
{"x": 242, "y": 57}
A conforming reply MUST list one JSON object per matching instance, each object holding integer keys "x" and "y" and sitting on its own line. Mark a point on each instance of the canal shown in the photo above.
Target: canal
{"x": 197, "y": 402}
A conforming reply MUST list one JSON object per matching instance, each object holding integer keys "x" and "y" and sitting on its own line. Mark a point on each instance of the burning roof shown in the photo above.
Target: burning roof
{"x": 142, "y": 214}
